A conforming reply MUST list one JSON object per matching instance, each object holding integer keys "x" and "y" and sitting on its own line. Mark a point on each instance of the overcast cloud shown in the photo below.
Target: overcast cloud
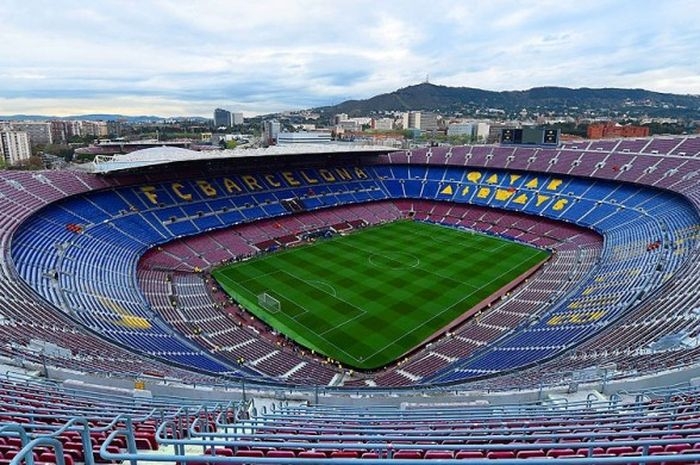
{"x": 172, "y": 57}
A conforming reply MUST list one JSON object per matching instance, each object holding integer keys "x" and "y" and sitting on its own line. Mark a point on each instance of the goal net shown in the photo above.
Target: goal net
{"x": 268, "y": 302}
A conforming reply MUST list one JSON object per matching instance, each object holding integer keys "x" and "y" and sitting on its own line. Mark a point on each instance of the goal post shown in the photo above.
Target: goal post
{"x": 268, "y": 302}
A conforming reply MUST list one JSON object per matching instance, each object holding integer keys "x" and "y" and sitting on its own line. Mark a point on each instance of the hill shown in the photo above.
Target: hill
{"x": 556, "y": 100}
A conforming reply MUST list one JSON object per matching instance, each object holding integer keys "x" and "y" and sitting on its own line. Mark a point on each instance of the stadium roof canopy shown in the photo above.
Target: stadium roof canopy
{"x": 104, "y": 164}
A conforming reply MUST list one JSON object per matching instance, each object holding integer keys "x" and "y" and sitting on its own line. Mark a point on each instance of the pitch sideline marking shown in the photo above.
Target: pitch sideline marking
{"x": 447, "y": 308}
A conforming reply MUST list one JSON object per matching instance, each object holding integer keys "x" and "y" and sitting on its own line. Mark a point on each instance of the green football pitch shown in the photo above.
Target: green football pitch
{"x": 367, "y": 298}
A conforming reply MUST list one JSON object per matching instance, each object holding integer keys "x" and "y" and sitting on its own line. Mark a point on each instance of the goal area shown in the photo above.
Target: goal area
{"x": 268, "y": 302}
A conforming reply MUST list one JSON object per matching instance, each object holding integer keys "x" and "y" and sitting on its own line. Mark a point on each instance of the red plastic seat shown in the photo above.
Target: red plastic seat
{"x": 280, "y": 454}
{"x": 408, "y": 454}
{"x": 150, "y": 438}
{"x": 619, "y": 450}
{"x": 526, "y": 454}
{"x": 98, "y": 458}
{"x": 585, "y": 451}
{"x": 501, "y": 454}
{"x": 223, "y": 451}
{"x": 469, "y": 454}
{"x": 677, "y": 448}
{"x": 438, "y": 454}
{"x": 312, "y": 454}
{"x": 652, "y": 448}
{"x": 555, "y": 453}
{"x": 344, "y": 454}
{"x": 250, "y": 453}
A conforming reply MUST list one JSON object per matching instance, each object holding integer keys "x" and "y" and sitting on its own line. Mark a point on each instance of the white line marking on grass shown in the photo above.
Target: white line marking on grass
{"x": 388, "y": 255}
{"x": 318, "y": 334}
{"x": 502, "y": 242}
{"x": 320, "y": 285}
{"x": 434, "y": 273}
{"x": 448, "y": 308}
{"x": 340, "y": 325}
{"x": 334, "y": 296}
{"x": 424, "y": 323}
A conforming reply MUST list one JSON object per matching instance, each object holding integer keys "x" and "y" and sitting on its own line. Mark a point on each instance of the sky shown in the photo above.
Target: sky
{"x": 184, "y": 57}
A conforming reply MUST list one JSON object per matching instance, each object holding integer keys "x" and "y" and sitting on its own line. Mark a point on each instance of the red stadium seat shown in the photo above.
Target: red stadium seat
{"x": 559, "y": 452}
{"x": 344, "y": 454}
{"x": 312, "y": 454}
{"x": 408, "y": 454}
{"x": 438, "y": 454}
{"x": 529, "y": 453}
{"x": 469, "y": 454}
{"x": 250, "y": 453}
{"x": 500, "y": 454}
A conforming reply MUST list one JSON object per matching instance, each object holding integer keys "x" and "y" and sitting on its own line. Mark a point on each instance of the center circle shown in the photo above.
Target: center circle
{"x": 394, "y": 260}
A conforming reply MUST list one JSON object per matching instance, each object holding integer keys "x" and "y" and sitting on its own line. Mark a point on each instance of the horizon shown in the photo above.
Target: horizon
{"x": 172, "y": 59}
{"x": 99, "y": 113}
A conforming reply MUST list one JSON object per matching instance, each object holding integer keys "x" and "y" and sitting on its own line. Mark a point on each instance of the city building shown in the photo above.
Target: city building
{"x": 222, "y": 118}
{"x": 14, "y": 146}
{"x": 39, "y": 132}
{"x": 460, "y": 130}
{"x": 428, "y": 121}
{"x": 316, "y": 137}
{"x": 237, "y": 118}
{"x": 116, "y": 128}
{"x": 62, "y": 131}
{"x": 95, "y": 128}
{"x": 423, "y": 120}
{"x": 414, "y": 120}
{"x": 382, "y": 124}
{"x": 610, "y": 129}
{"x": 347, "y": 125}
{"x": 270, "y": 130}
{"x": 482, "y": 131}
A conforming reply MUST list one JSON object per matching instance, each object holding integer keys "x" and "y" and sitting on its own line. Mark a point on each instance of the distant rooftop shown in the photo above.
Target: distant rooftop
{"x": 165, "y": 155}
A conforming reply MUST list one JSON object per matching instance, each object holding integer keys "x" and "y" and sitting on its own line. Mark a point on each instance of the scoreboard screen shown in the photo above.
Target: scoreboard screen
{"x": 530, "y": 136}
{"x": 551, "y": 136}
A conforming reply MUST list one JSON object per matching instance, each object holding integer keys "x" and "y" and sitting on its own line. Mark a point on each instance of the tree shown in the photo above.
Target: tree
{"x": 32, "y": 163}
{"x": 60, "y": 150}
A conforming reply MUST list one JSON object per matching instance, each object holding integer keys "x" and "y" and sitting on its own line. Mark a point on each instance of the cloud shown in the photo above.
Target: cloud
{"x": 177, "y": 57}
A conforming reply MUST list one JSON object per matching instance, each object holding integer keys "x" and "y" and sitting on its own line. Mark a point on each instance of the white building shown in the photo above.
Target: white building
{"x": 347, "y": 125}
{"x": 383, "y": 124}
{"x": 460, "y": 129}
{"x": 482, "y": 131}
{"x": 316, "y": 137}
{"x": 14, "y": 146}
{"x": 237, "y": 118}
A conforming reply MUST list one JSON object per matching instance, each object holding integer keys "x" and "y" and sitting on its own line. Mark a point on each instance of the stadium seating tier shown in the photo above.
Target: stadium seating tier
{"x": 81, "y": 238}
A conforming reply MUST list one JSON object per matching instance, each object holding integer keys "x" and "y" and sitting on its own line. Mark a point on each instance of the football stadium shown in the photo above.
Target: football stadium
{"x": 343, "y": 304}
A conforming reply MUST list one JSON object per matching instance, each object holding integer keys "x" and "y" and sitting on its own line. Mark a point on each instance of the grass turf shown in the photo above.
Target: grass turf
{"x": 367, "y": 298}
